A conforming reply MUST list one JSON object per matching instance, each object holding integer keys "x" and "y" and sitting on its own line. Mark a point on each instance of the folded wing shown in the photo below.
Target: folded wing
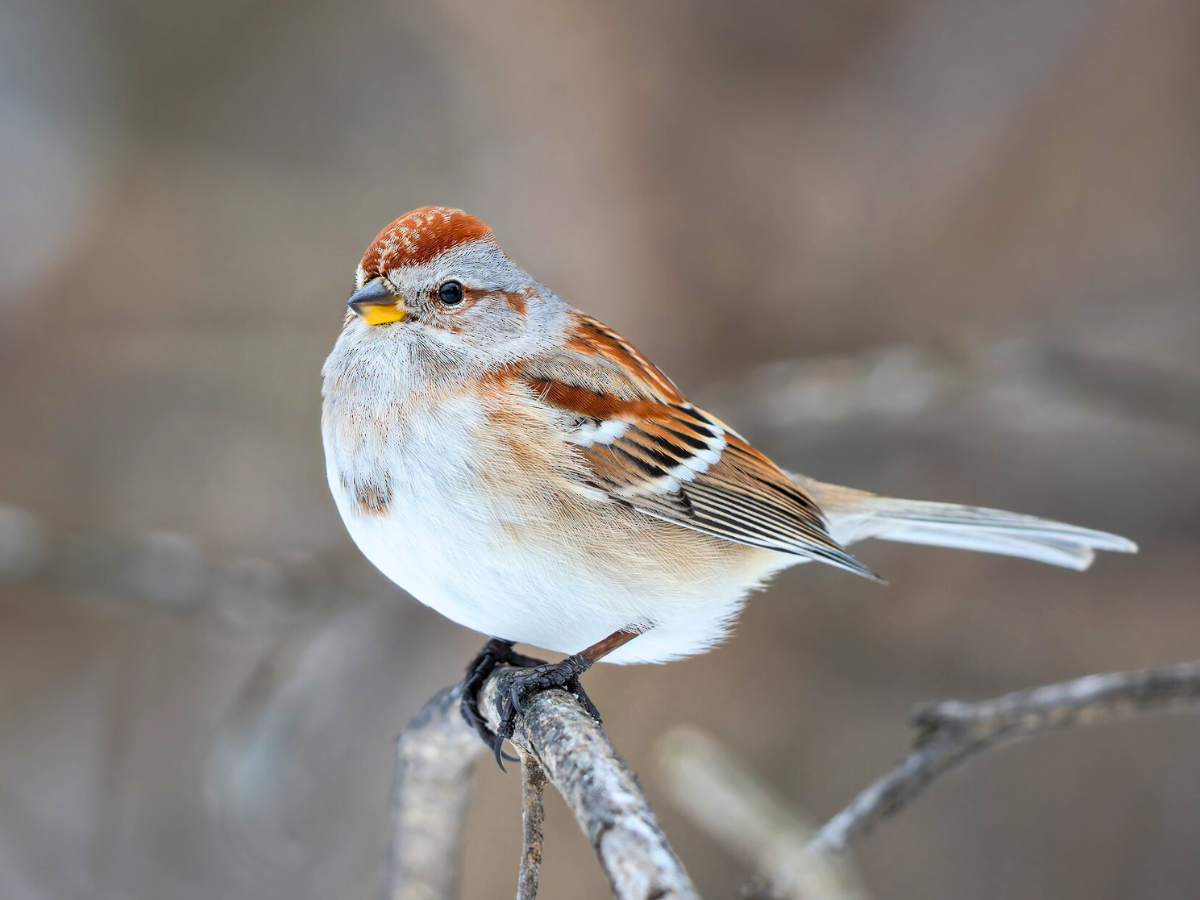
{"x": 646, "y": 447}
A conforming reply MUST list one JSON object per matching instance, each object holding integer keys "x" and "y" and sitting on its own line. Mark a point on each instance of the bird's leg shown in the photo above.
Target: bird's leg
{"x": 496, "y": 652}
{"x": 518, "y": 686}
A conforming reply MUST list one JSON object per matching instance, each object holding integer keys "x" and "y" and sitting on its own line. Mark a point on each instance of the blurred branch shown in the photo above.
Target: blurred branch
{"x": 910, "y": 384}
{"x": 727, "y": 800}
{"x": 434, "y": 755}
{"x": 173, "y": 572}
{"x": 950, "y": 732}
{"x": 1134, "y": 389}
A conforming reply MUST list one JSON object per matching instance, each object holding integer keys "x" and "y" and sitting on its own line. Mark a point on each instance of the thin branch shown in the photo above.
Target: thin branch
{"x": 726, "y": 799}
{"x": 533, "y": 814}
{"x": 951, "y": 732}
{"x": 434, "y": 755}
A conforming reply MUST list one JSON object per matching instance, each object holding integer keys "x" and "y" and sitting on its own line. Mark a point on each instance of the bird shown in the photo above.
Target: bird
{"x": 517, "y": 466}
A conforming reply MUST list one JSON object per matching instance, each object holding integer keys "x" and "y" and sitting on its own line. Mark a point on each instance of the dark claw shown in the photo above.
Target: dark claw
{"x": 496, "y": 652}
{"x": 586, "y": 702}
{"x": 526, "y": 678}
{"x": 501, "y": 756}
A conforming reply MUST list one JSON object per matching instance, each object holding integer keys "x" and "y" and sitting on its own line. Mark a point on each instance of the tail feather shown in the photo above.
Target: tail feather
{"x": 987, "y": 531}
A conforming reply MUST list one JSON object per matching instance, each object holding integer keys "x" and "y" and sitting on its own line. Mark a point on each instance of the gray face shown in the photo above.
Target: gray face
{"x": 503, "y": 314}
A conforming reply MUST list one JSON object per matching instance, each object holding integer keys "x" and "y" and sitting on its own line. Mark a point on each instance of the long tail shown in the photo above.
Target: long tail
{"x": 993, "y": 531}
{"x": 857, "y": 515}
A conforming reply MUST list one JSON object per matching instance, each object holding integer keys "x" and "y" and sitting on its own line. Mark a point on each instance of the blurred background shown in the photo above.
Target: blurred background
{"x": 938, "y": 248}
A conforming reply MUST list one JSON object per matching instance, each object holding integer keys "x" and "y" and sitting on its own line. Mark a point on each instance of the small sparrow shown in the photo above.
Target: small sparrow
{"x": 519, "y": 467}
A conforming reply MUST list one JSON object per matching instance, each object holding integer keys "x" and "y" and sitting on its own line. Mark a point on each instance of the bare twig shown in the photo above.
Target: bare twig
{"x": 533, "y": 786}
{"x": 950, "y": 732}
{"x": 726, "y": 799}
{"x": 429, "y": 802}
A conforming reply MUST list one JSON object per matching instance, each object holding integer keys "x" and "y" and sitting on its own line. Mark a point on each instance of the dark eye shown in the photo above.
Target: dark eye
{"x": 451, "y": 293}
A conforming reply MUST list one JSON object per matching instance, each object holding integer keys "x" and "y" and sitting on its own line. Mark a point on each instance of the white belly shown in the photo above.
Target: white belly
{"x": 492, "y": 553}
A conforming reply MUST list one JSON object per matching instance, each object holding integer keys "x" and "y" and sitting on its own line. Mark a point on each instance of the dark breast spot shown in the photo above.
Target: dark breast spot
{"x": 372, "y": 497}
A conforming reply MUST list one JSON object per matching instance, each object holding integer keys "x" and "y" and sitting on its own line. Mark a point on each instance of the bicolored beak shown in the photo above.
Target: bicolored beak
{"x": 376, "y": 304}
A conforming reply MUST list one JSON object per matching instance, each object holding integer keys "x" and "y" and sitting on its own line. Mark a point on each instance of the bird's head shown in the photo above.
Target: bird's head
{"x": 440, "y": 271}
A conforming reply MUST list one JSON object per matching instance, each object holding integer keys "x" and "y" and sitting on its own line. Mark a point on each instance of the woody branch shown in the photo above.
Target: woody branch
{"x": 951, "y": 732}
{"x": 580, "y": 761}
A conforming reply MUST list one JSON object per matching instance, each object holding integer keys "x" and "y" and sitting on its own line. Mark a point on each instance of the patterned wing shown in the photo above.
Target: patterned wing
{"x": 650, "y": 449}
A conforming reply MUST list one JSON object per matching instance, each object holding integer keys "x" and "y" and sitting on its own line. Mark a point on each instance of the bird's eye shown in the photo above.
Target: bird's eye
{"x": 451, "y": 293}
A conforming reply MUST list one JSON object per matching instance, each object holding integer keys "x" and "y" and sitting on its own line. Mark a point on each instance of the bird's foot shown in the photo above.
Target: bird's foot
{"x": 496, "y": 652}
{"x": 518, "y": 686}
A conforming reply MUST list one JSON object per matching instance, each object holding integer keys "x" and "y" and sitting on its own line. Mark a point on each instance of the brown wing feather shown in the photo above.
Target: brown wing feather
{"x": 650, "y": 449}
